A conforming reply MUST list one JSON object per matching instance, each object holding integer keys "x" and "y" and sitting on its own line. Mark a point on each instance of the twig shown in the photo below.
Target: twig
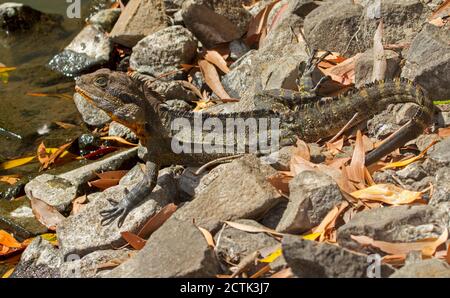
{"x": 216, "y": 162}
{"x": 346, "y": 126}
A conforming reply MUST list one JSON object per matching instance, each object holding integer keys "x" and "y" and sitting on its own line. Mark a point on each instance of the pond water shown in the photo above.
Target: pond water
{"x": 26, "y": 120}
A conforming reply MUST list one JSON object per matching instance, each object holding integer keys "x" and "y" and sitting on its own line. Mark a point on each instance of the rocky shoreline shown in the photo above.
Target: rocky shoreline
{"x": 226, "y": 214}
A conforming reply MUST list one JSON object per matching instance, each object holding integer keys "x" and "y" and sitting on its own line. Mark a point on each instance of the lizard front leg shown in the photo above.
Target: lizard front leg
{"x": 121, "y": 209}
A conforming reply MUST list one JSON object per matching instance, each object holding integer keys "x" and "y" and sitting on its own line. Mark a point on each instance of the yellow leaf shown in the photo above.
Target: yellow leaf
{"x": 50, "y": 237}
{"x": 6, "y": 69}
{"x": 8, "y": 273}
{"x": 312, "y": 236}
{"x": 272, "y": 257}
{"x": 118, "y": 139}
{"x": 387, "y": 193}
{"x": 8, "y": 240}
{"x": 406, "y": 162}
{"x": 15, "y": 163}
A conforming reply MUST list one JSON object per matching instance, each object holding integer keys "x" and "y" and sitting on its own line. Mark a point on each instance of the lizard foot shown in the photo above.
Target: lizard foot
{"x": 120, "y": 210}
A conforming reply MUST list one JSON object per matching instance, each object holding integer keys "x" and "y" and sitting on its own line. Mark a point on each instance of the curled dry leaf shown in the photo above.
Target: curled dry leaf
{"x": 252, "y": 229}
{"x": 8, "y": 240}
{"x": 108, "y": 179}
{"x": 212, "y": 78}
{"x": 379, "y": 58}
{"x": 215, "y": 58}
{"x": 46, "y": 214}
{"x": 328, "y": 224}
{"x": 427, "y": 246}
{"x": 344, "y": 72}
{"x": 408, "y": 161}
{"x": 157, "y": 220}
{"x": 208, "y": 237}
{"x": 15, "y": 163}
{"x": 388, "y": 193}
{"x": 356, "y": 169}
{"x": 134, "y": 240}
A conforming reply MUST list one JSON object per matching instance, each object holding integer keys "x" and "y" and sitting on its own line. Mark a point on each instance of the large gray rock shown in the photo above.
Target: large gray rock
{"x": 59, "y": 191}
{"x": 39, "y": 260}
{"x": 432, "y": 268}
{"x": 90, "y": 49}
{"x": 313, "y": 259}
{"x": 393, "y": 224}
{"x": 402, "y": 19}
{"x": 233, "y": 244}
{"x": 439, "y": 153}
{"x": 312, "y": 196}
{"x": 90, "y": 113}
{"x": 83, "y": 233}
{"x": 229, "y": 197}
{"x": 164, "y": 51}
{"x": 428, "y": 61}
{"x": 17, "y": 217}
{"x": 91, "y": 264}
{"x": 364, "y": 67}
{"x": 215, "y": 21}
{"x": 139, "y": 19}
{"x": 176, "y": 249}
{"x": 105, "y": 18}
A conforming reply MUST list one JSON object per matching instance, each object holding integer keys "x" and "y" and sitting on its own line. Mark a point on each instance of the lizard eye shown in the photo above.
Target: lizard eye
{"x": 101, "y": 82}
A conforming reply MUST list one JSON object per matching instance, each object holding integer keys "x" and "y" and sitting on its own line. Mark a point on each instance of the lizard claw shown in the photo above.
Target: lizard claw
{"x": 120, "y": 211}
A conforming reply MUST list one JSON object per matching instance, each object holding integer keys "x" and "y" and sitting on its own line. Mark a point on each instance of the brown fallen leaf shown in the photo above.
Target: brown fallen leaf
{"x": 65, "y": 125}
{"x": 427, "y": 246}
{"x": 107, "y": 179}
{"x": 46, "y": 214}
{"x": 56, "y": 155}
{"x": 343, "y": 72}
{"x": 356, "y": 169}
{"x": 134, "y": 240}
{"x": 212, "y": 78}
{"x": 379, "y": 57}
{"x": 8, "y": 240}
{"x": 388, "y": 193}
{"x": 408, "y": 161}
{"x": 329, "y": 222}
{"x": 208, "y": 237}
{"x": 119, "y": 140}
{"x": 252, "y": 229}
{"x": 157, "y": 220}
{"x": 10, "y": 179}
{"x": 215, "y": 58}
{"x": 258, "y": 25}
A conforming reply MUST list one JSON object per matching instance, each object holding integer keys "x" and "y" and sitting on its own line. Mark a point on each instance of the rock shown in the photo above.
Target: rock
{"x": 393, "y": 224}
{"x": 238, "y": 48}
{"x": 139, "y": 19}
{"x": 90, "y": 49}
{"x": 178, "y": 104}
{"x": 441, "y": 191}
{"x": 312, "y": 196}
{"x": 279, "y": 160}
{"x": 302, "y": 7}
{"x": 90, "y": 114}
{"x": 428, "y": 60}
{"x": 60, "y": 190}
{"x": 423, "y": 141}
{"x": 412, "y": 172}
{"x": 163, "y": 51}
{"x": 90, "y": 265}
{"x": 443, "y": 119}
{"x": 313, "y": 259}
{"x": 17, "y": 217}
{"x": 432, "y": 268}
{"x": 383, "y": 124}
{"x": 439, "y": 153}
{"x": 402, "y": 19}
{"x": 272, "y": 218}
{"x": 364, "y": 67}
{"x": 17, "y": 17}
{"x": 215, "y": 21}
{"x": 83, "y": 233}
{"x": 229, "y": 197}
{"x": 39, "y": 260}
{"x": 105, "y": 18}
{"x": 176, "y": 249}
{"x": 119, "y": 130}
{"x": 188, "y": 182}
{"x": 53, "y": 190}
{"x": 175, "y": 90}
{"x": 233, "y": 244}
{"x": 239, "y": 78}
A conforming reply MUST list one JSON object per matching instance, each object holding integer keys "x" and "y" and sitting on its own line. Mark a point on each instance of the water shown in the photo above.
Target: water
{"x": 25, "y": 119}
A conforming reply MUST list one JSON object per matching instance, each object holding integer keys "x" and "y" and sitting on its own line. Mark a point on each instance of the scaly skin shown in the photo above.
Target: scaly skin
{"x": 301, "y": 114}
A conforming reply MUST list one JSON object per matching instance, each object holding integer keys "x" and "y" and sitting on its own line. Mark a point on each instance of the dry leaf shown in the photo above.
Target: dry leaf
{"x": 8, "y": 240}
{"x": 212, "y": 78}
{"x": 134, "y": 240}
{"x": 119, "y": 140}
{"x": 408, "y": 161}
{"x": 157, "y": 220}
{"x": 46, "y": 214}
{"x": 208, "y": 237}
{"x": 251, "y": 229}
{"x": 356, "y": 169}
{"x": 379, "y": 57}
{"x": 444, "y": 132}
{"x": 427, "y": 246}
{"x": 65, "y": 125}
{"x": 10, "y": 179}
{"x": 344, "y": 72}
{"x": 215, "y": 58}
{"x": 259, "y": 24}
{"x": 387, "y": 193}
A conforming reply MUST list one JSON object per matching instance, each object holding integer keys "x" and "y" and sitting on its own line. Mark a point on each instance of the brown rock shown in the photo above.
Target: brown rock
{"x": 139, "y": 19}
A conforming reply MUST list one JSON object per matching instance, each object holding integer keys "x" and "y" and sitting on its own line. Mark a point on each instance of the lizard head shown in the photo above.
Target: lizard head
{"x": 121, "y": 97}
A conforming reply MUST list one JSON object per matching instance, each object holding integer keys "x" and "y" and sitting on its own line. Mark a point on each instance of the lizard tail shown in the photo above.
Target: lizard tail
{"x": 400, "y": 91}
